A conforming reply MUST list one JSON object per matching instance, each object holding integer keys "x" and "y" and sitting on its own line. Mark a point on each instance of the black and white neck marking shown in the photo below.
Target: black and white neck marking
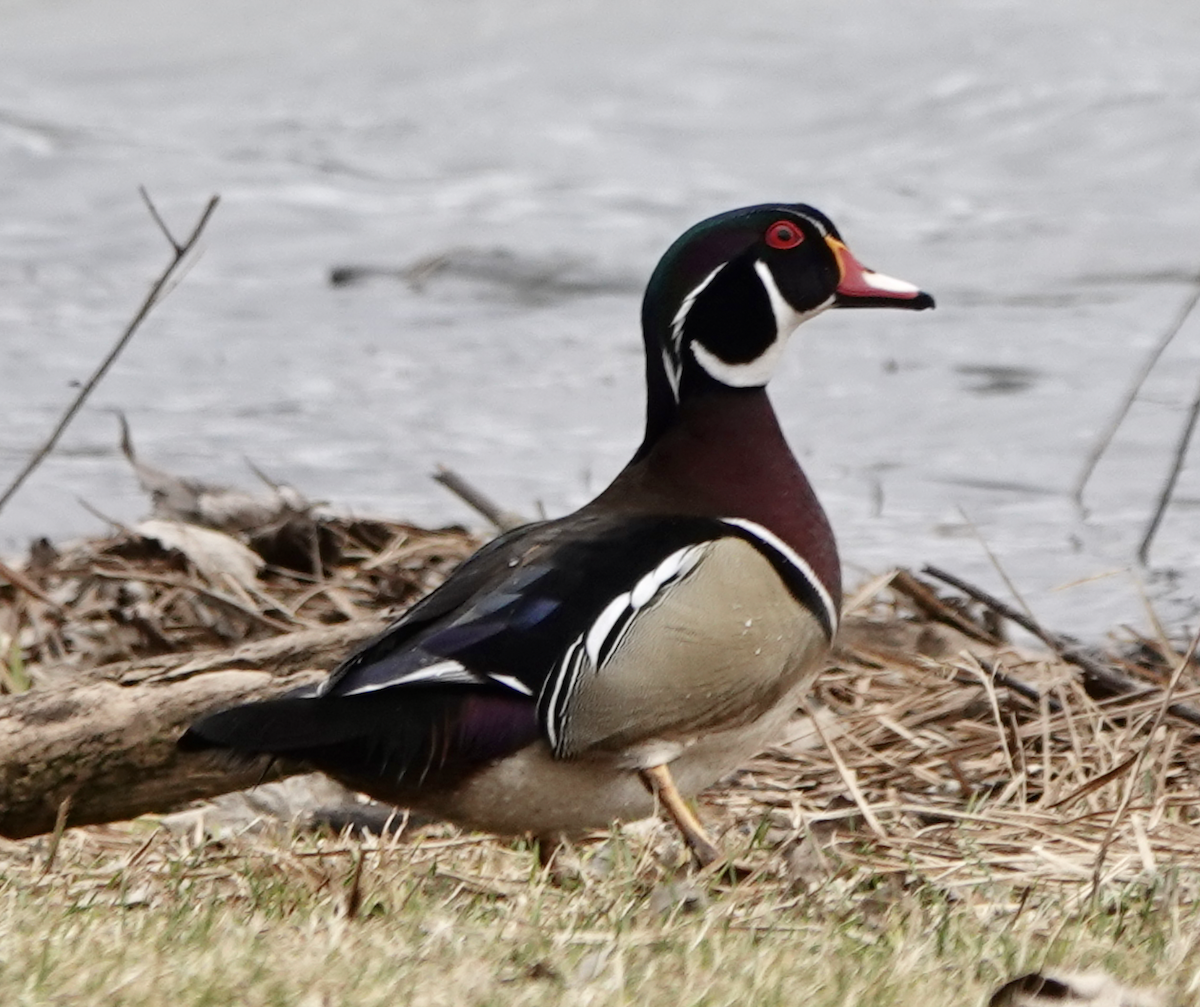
{"x": 758, "y": 371}
{"x": 738, "y": 351}
{"x": 672, "y": 352}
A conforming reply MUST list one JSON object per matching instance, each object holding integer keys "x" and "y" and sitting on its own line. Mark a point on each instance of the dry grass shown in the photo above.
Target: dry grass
{"x": 137, "y": 916}
{"x": 951, "y": 812}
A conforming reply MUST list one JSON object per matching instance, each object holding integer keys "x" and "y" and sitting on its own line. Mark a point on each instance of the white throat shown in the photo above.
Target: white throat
{"x": 760, "y": 370}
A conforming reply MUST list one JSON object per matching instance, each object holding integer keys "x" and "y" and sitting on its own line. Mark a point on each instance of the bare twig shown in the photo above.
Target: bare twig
{"x": 60, "y": 825}
{"x": 18, "y": 579}
{"x": 1164, "y": 496}
{"x": 995, "y": 561}
{"x": 180, "y": 252}
{"x": 1095, "y": 783}
{"x": 503, "y": 519}
{"x": 935, "y": 608}
{"x": 1014, "y": 684}
{"x": 1102, "y": 442}
{"x": 1066, "y": 648}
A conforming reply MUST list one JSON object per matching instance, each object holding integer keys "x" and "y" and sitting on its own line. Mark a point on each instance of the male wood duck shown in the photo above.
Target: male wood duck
{"x": 594, "y": 667}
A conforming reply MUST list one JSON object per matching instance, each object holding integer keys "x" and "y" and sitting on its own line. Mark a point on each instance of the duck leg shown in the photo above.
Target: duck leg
{"x": 662, "y": 786}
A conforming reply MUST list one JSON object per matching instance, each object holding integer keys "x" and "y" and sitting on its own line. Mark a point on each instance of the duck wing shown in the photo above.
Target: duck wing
{"x": 496, "y": 657}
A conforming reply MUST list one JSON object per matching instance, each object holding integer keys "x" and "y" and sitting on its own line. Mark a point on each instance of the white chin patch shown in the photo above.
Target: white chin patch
{"x": 760, "y": 370}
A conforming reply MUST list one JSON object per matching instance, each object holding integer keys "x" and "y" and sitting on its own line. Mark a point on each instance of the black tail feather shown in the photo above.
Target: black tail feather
{"x": 386, "y": 735}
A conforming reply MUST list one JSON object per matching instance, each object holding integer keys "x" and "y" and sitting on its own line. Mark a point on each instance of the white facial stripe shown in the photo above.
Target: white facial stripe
{"x": 786, "y": 317}
{"x": 888, "y": 284}
{"x": 686, "y": 306}
{"x": 674, "y": 372}
{"x": 671, "y": 362}
{"x": 760, "y": 370}
{"x": 790, "y": 554}
{"x": 748, "y": 375}
{"x": 824, "y": 231}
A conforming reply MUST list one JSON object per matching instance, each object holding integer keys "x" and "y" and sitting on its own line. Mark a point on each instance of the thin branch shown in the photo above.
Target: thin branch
{"x": 1106, "y": 436}
{"x": 503, "y": 519}
{"x": 18, "y": 579}
{"x": 1164, "y": 496}
{"x": 1015, "y": 684}
{"x": 151, "y": 299}
{"x": 162, "y": 224}
{"x": 995, "y": 561}
{"x": 934, "y": 607}
{"x": 1066, "y": 648}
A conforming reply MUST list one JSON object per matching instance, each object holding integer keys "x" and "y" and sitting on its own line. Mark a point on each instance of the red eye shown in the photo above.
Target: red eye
{"x": 784, "y": 234}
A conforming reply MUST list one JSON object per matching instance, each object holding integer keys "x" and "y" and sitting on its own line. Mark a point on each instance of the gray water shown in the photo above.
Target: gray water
{"x": 1036, "y": 166}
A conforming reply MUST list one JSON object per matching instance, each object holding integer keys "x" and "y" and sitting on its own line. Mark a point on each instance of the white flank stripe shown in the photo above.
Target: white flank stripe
{"x": 604, "y": 624}
{"x": 648, "y": 586}
{"x": 599, "y": 637}
{"x": 790, "y": 554}
{"x": 678, "y": 564}
{"x": 607, "y": 632}
{"x": 513, "y": 683}
{"x": 564, "y": 675}
{"x": 450, "y": 672}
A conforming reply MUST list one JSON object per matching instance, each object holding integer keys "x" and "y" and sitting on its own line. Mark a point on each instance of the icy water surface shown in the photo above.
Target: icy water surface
{"x": 1036, "y": 166}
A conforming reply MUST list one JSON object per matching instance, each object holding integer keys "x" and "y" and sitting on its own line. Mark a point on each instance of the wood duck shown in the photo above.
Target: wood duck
{"x": 604, "y": 664}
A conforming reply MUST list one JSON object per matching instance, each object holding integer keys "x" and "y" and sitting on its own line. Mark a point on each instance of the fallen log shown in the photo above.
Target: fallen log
{"x": 103, "y": 746}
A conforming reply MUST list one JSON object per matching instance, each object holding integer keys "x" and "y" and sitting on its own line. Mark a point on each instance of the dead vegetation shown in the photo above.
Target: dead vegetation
{"x": 111, "y": 648}
{"x": 929, "y": 745}
{"x": 947, "y": 800}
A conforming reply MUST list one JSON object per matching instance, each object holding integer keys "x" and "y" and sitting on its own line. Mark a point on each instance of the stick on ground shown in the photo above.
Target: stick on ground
{"x": 1098, "y": 674}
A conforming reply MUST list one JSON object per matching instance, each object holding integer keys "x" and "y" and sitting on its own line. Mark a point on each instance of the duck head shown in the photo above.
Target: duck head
{"x": 725, "y": 297}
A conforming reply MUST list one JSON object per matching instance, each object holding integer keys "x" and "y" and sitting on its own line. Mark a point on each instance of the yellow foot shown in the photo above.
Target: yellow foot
{"x": 662, "y": 786}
